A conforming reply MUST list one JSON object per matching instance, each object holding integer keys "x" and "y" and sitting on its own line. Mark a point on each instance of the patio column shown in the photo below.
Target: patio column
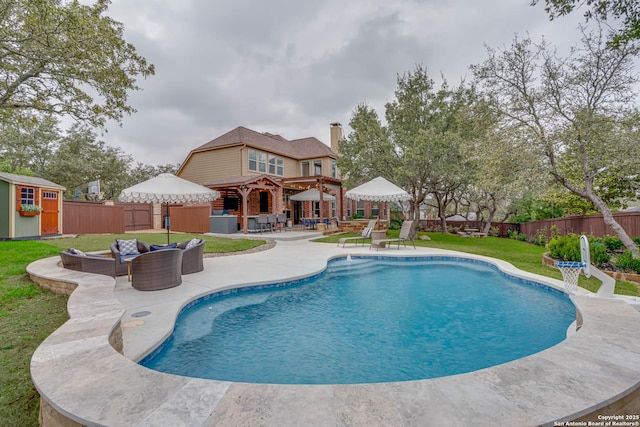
{"x": 274, "y": 202}
{"x": 244, "y": 192}
{"x": 321, "y": 200}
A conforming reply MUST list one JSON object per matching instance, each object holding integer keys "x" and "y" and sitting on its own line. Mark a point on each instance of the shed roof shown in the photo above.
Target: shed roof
{"x": 29, "y": 180}
{"x": 304, "y": 148}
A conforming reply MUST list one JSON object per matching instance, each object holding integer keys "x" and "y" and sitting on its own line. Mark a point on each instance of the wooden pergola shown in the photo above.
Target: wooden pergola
{"x": 244, "y": 185}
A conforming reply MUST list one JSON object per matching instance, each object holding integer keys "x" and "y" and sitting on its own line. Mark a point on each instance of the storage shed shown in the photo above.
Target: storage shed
{"x": 30, "y": 207}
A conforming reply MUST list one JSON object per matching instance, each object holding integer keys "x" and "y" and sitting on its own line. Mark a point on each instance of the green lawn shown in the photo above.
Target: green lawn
{"x": 28, "y": 313}
{"x": 524, "y": 256}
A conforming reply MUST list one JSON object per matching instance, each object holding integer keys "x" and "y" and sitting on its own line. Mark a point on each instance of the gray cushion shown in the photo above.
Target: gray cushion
{"x": 128, "y": 247}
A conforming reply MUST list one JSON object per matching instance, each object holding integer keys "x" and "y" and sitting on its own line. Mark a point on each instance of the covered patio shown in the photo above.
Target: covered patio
{"x": 249, "y": 197}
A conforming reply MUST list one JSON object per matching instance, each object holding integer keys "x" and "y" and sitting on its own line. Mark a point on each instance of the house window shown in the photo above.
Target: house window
{"x": 375, "y": 208}
{"x": 349, "y": 209}
{"x": 253, "y": 160}
{"x": 316, "y": 209}
{"x": 317, "y": 167}
{"x": 28, "y": 196}
{"x": 360, "y": 208}
{"x": 334, "y": 169}
{"x": 276, "y": 165}
{"x": 333, "y": 208}
{"x": 305, "y": 168}
{"x": 257, "y": 161}
{"x": 49, "y": 195}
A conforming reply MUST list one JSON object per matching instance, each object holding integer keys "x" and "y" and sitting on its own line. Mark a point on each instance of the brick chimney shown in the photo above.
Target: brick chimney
{"x": 336, "y": 136}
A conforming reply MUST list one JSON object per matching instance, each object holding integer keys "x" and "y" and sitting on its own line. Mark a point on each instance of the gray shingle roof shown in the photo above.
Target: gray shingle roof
{"x": 29, "y": 180}
{"x": 305, "y": 148}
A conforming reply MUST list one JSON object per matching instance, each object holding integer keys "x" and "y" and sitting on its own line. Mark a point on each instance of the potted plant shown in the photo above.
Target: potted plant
{"x": 29, "y": 210}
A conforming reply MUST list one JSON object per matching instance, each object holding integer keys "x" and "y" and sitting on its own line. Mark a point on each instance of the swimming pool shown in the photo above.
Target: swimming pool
{"x": 367, "y": 320}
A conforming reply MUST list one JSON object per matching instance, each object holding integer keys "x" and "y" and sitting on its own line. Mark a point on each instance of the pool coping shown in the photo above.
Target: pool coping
{"x": 81, "y": 376}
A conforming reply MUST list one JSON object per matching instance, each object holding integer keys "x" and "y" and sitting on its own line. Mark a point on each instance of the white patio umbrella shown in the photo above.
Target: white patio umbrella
{"x": 167, "y": 188}
{"x": 313, "y": 194}
{"x": 378, "y": 190}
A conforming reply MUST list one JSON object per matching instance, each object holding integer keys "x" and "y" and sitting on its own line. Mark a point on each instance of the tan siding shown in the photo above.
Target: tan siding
{"x": 292, "y": 168}
{"x": 210, "y": 165}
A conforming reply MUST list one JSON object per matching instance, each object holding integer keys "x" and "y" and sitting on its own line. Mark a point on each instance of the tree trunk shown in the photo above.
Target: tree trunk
{"x": 492, "y": 208}
{"x": 607, "y": 216}
{"x": 487, "y": 225}
{"x": 415, "y": 215}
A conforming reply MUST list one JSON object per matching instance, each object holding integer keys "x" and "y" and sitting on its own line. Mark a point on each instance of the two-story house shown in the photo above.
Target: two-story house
{"x": 259, "y": 172}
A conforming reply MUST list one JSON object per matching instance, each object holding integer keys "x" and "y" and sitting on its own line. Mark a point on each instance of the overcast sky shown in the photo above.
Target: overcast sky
{"x": 292, "y": 67}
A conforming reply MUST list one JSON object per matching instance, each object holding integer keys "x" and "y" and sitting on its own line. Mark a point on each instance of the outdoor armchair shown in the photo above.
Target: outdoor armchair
{"x": 120, "y": 256}
{"x": 89, "y": 263}
{"x": 192, "y": 256}
{"x": 156, "y": 270}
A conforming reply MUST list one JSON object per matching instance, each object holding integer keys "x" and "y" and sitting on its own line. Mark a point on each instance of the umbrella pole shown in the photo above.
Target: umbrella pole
{"x": 168, "y": 224}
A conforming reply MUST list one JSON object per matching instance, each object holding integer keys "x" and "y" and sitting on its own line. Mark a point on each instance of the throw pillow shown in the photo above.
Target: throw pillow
{"x": 161, "y": 247}
{"x": 192, "y": 243}
{"x": 128, "y": 247}
{"x": 76, "y": 252}
{"x": 366, "y": 233}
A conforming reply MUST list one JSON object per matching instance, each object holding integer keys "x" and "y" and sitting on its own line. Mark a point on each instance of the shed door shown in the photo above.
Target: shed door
{"x": 49, "y": 214}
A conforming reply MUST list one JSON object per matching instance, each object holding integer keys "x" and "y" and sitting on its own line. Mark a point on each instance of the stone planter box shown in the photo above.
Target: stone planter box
{"x": 618, "y": 275}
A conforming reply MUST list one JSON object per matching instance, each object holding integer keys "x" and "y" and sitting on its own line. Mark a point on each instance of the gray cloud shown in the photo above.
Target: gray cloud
{"x": 293, "y": 67}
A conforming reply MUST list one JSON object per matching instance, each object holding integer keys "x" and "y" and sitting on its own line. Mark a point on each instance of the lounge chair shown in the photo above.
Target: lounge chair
{"x": 121, "y": 265}
{"x": 366, "y": 234}
{"x": 152, "y": 271}
{"x": 404, "y": 235}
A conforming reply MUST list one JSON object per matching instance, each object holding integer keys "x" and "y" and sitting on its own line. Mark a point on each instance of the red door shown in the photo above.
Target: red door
{"x": 49, "y": 214}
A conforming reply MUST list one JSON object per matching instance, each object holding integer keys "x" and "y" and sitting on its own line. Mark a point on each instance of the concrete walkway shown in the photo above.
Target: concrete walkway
{"x": 81, "y": 376}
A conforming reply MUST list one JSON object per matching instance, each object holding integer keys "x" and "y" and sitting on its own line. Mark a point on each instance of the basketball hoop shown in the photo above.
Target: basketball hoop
{"x": 570, "y": 272}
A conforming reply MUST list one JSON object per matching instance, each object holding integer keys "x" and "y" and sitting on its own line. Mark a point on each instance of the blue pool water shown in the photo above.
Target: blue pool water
{"x": 367, "y": 320}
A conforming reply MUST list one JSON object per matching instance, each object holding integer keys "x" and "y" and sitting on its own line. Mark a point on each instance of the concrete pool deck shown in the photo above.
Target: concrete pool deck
{"x": 83, "y": 378}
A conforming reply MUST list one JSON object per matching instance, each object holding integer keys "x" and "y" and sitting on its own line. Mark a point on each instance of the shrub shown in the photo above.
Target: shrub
{"x": 566, "y": 248}
{"x": 522, "y": 237}
{"x": 357, "y": 216}
{"x": 540, "y": 238}
{"x": 513, "y": 234}
{"x": 626, "y": 261}
{"x": 553, "y": 232}
{"x": 637, "y": 240}
{"x": 494, "y": 232}
{"x": 598, "y": 252}
{"x": 396, "y": 223}
{"x": 612, "y": 243}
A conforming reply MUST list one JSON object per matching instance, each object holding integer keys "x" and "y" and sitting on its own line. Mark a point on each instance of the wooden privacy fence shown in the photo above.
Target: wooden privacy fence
{"x": 190, "y": 219}
{"x": 434, "y": 225}
{"x": 91, "y": 218}
{"x": 137, "y": 216}
{"x": 86, "y": 217}
{"x": 587, "y": 224}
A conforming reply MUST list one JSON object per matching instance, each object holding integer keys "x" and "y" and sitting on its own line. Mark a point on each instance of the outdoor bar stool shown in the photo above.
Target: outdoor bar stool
{"x": 281, "y": 221}
{"x": 272, "y": 219}
{"x": 263, "y": 222}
